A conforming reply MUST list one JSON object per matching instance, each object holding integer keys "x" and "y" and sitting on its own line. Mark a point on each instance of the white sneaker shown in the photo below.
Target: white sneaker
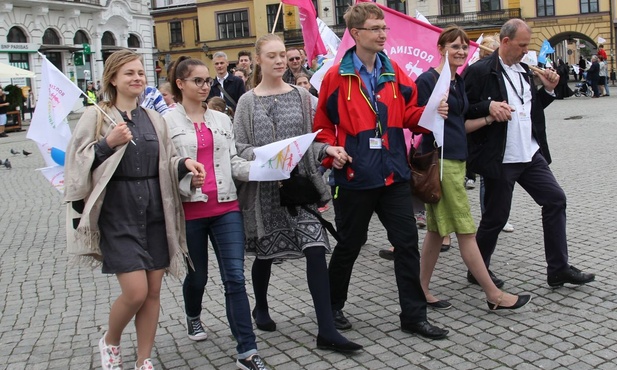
{"x": 111, "y": 359}
{"x": 470, "y": 184}
{"x": 146, "y": 366}
{"x": 508, "y": 227}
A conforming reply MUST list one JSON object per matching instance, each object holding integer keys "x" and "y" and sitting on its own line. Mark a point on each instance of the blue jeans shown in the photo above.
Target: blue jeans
{"x": 227, "y": 235}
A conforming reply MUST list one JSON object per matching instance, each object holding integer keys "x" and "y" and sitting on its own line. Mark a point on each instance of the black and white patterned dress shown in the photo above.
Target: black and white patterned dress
{"x": 278, "y": 117}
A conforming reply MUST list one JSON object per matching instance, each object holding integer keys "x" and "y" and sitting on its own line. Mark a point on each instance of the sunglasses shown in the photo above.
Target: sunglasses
{"x": 293, "y": 59}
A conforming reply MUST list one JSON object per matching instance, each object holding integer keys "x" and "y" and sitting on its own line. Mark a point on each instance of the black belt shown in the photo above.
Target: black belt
{"x": 133, "y": 178}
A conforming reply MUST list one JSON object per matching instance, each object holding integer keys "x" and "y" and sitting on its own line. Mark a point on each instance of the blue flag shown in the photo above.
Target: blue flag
{"x": 544, "y": 50}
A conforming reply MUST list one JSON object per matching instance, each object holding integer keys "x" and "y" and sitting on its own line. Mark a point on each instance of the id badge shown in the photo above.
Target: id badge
{"x": 374, "y": 143}
{"x": 524, "y": 118}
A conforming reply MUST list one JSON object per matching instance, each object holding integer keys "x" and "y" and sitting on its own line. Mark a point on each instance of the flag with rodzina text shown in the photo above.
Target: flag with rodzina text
{"x": 49, "y": 127}
{"x": 313, "y": 44}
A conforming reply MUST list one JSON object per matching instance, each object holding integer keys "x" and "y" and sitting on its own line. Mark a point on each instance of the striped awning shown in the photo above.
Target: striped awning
{"x": 22, "y": 65}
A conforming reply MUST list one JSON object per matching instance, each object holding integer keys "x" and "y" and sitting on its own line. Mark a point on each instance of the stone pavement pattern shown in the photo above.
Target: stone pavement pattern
{"x": 52, "y": 315}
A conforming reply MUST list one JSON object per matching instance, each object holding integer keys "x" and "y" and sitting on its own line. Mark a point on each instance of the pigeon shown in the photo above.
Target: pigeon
{"x": 14, "y": 152}
{"x": 1, "y": 163}
{"x": 24, "y": 152}
{"x": 7, "y": 164}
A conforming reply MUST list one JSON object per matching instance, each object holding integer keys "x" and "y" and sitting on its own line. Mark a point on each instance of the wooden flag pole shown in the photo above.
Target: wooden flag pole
{"x": 533, "y": 68}
{"x": 278, "y": 13}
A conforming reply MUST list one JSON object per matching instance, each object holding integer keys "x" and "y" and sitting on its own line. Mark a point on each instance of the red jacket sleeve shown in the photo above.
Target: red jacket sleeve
{"x": 322, "y": 121}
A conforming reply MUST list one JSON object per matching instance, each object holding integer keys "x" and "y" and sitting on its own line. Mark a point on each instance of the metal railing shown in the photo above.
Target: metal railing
{"x": 90, "y": 2}
{"x": 476, "y": 19}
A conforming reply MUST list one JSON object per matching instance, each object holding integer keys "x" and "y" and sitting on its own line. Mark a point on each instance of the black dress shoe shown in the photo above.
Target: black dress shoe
{"x": 497, "y": 281}
{"x": 347, "y": 347}
{"x": 440, "y": 305}
{"x": 425, "y": 329}
{"x": 570, "y": 275}
{"x": 340, "y": 321}
{"x": 445, "y": 247}
{"x": 522, "y": 300}
{"x": 265, "y": 326}
{"x": 387, "y": 254}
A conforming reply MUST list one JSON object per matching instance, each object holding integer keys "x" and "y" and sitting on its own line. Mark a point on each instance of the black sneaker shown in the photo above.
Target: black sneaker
{"x": 497, "y": 281}
{"x": 253, "y": 363}
{"x": 196, "y": 330}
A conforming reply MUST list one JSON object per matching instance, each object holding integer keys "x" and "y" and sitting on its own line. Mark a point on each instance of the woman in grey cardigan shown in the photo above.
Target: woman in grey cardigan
{"x": 274, "y": 111}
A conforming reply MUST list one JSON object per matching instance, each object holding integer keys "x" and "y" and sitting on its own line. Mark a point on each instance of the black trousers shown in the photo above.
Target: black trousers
{"x": 354, "y": 209}
{"x": 540, "y": 183}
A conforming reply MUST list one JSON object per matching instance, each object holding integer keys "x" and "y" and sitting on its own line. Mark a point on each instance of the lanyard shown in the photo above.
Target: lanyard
{"x": 514, "y": 88}
{"x": 378, "y": 130}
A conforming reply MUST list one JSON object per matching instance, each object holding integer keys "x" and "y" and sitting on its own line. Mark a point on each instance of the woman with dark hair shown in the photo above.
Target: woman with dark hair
{"x": 123, "y": 177}
{"x": 212, "y": 211}
{"x": 275, "y": 110}
{"x": 452, "y": 213}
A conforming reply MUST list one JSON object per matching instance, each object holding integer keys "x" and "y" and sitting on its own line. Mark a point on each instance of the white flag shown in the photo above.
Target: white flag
{"x": 430, "y": 119}
{"x": 276, "y": 161}
{"x": 476, "y": 55}
{"x": 601, "y": 40}
{"x": 329, "y": 38}
{"x": 421, "y": 18}
{"x": 49, "y": 127}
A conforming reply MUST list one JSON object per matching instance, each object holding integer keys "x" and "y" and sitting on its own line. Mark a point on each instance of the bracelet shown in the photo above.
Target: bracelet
{"x": 487, "y": 122}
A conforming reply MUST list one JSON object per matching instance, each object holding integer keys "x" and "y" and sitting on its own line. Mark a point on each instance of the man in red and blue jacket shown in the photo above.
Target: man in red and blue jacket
{"x": 365, "y": 103}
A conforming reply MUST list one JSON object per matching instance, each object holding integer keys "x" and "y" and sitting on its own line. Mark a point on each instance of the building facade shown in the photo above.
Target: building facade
{"x": 63, "y": 29}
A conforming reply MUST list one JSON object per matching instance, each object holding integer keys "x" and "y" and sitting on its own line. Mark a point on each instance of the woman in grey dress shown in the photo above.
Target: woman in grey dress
{"x": 272, "y": 111}
{"x": 125, "y": 177}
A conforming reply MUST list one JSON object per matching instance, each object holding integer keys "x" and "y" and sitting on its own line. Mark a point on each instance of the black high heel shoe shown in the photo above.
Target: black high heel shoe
{"x": 265, "y": 326}
{"x": 522, "y": 300}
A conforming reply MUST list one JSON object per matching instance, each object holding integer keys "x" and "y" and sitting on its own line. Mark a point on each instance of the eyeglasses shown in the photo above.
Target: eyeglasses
{"x": 375, "y": 30}
{"x": 293, "y": 58}
{"x": 456, "y": 47}
{"x": 200, "y": 82}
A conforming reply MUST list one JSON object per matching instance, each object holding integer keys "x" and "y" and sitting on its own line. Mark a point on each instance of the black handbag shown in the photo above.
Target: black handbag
{"x": 298, "y": 190}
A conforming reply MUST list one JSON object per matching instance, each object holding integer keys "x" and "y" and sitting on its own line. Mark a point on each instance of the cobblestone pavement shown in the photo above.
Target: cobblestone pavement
{"x": 52, "y": 316}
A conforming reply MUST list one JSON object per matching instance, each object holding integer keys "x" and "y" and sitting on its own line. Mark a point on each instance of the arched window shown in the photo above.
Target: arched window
{"x": 16, "y": 35}
{"x": 108, "y": 39}
{"x": 133, "y": 41}
{"x": 80, "y": 38}
{"x": 50, "y": 37}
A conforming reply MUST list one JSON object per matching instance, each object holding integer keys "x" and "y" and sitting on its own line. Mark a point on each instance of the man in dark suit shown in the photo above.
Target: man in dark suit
{"x": 514, "y": 149}
{"x": 226, "y": 85}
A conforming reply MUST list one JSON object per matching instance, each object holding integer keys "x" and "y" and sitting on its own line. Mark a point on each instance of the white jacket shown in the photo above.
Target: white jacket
{"x": 228, "y": 166}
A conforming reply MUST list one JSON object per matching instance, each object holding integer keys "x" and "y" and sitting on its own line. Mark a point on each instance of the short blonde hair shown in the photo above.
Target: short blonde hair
{"x": 357, "y": 14}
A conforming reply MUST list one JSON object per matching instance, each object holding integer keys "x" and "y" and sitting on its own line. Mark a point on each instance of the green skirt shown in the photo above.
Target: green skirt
{"x": 452, "y": 213}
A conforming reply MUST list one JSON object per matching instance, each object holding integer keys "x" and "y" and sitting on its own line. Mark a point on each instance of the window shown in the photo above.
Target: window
{"x": 80, "y": 38}
{"x": 271, "y": 15}
{"x": 316, "y": 5}
{"x": 175, "y": 32}
{"x": 133, "y": 41}
{"x": 340, "y": 6}
{"x": 589, "y": 6}
{"x": 450, "y": 7}
{"x": 546, "y": 8}
{"x": 399, "y": 5}
{"x": 488, "y": 5}
{"x": 16, "y": 35}
{"x": 50, "y": 37}
{"x": 233, "y": 25}
{"x": 196, "y": 29}
{"x": 108, "y": 39}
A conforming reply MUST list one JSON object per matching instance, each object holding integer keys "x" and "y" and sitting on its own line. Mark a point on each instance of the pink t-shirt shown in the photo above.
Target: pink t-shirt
{"x": 212, "y": 208}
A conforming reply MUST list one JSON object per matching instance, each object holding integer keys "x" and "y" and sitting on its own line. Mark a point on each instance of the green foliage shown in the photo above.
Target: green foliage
{"x": 14, "y": 97}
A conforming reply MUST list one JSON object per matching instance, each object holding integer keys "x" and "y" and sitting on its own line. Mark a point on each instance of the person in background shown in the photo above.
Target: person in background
{"x": 452, "y": 212}
{"x": 582, "y": 66}
{"x": 514, "y": 149}
{"x": 226, "y": 85}
{"x": 168, "y": 96}
{"x": 245, "y": 61}
{"x": 219, "y": 104}
{"x": 90, "y": 98}
{"x": 593, "y": 76}
{"x": 603, "y": 84}
{"x": 128, "y": 175}
{"x": 4, "y": 108}
{"x": 275, "y": 110}
{"x": 243, "y": 74}
{"x": 212, "y": 211}
{"x": 153, "y": 99}
{"x": 295, "y": 66}
{"x": 362, "y": 111}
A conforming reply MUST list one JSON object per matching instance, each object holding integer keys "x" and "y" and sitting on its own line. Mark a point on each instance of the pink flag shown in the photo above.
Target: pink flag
{"x": 412, "y": 44}
{"x": 313, "y": 44}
